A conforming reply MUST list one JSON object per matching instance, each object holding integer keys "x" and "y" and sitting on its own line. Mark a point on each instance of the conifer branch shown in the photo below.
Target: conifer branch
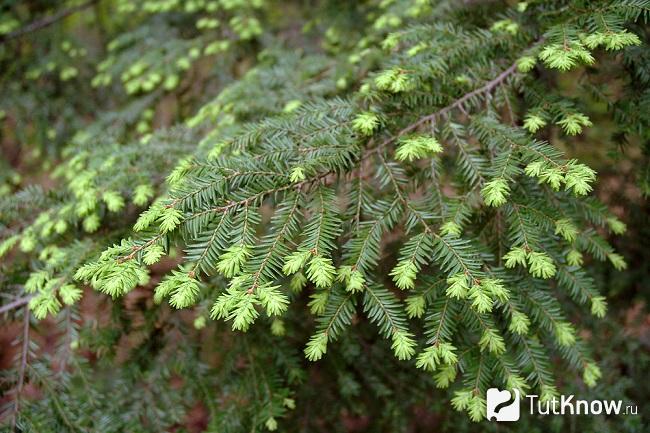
{"x": 486, "y": 88}
{"x": 314, "y": 169}
{"x": 281, "y": 233}
{"x": 15, "y": 304}
{"x": 457, "y": 104}
{"x": 46, "y": 21}
{"x": 236, "y": 204}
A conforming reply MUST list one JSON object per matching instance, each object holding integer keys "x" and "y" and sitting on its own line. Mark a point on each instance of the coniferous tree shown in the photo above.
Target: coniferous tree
{"x": 318, "y": 190}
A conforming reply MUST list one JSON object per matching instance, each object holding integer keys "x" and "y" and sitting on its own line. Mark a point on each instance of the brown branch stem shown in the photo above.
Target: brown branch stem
{"x": 46, "y": 21}
{"x": 15, "y": 304}
{"x": 23, "y": 367}
{"x": 457, "y": 104}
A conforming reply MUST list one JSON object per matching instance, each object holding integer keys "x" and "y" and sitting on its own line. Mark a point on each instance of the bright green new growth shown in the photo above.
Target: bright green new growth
{"x": 393, "y": 80}
{"x": 452, "y": 229}
{"x": 114, "y": 202}
{"x": 404, "y": 274}
{"x": 142, "y": 194}
{"x": 417, "y": 147}
{"x": 574, "y": 122}
{"x": 458, "y": 286}
{"x": 181, "y": 288}
{"x": 321, "y": 271}
{"x": 366, "y": 123}
{"x": 232, "y": 261}
{"x": 169, "y": 219}
{"x": 316, "y": 347}
{"x": 526, "y": 64}
{"x": 519, "y": 323}
{"x": 591, "y": 375}
{"x": 566, "y": 56}
{"x": 495, "y": 192}
{"x": 533, "y": 123}
{"x": 434, "y": 356}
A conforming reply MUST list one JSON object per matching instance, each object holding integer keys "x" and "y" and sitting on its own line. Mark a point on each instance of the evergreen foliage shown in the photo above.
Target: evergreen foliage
{"x": 402, "y": 185}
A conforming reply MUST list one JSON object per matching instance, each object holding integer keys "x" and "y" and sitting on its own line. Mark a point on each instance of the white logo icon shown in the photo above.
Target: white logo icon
{"x": 500, "y": 407}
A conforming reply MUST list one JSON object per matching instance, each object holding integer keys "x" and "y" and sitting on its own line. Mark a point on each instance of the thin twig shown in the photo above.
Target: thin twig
{"x": 46, "y": 22}
{"x": 488, "y": 87}
{"x": 23, "y": 366}
{"x": 225, "y": 208}
{"x": 15, "y": 304}
{"x": 457, "y": 104}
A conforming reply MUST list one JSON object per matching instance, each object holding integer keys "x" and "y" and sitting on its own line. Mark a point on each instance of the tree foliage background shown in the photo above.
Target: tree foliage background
{"x": 228, "y": 215}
